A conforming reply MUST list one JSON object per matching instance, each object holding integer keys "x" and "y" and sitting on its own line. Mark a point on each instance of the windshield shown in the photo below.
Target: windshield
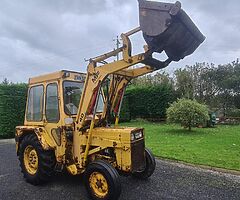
{"x": 72, "y": 94}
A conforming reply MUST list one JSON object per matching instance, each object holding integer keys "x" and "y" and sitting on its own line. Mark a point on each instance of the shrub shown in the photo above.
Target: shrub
{"x": 187, "y": 112}
{"x": 233, "y": 113}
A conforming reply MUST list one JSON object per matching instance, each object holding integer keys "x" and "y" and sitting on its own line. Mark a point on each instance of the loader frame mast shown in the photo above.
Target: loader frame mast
{"x": 120, "y": 75}
{"x": 97, "y": 74}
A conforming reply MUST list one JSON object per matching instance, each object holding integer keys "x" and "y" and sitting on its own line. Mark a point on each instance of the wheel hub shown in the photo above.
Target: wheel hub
{"x": 98, "y": 184}
{"x": 30, "y": 160}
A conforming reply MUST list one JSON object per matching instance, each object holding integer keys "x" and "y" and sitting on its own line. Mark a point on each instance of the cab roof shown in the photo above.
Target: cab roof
{"x": 52, "y": 76}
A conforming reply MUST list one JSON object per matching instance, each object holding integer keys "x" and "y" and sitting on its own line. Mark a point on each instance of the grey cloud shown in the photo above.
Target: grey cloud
{"x": 43, "y": 36}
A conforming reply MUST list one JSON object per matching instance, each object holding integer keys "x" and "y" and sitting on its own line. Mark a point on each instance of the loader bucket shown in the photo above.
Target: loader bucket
{"x": 166, "y": 27}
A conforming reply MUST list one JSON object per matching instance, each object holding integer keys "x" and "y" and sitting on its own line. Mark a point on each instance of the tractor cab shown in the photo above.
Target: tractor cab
{"x": 55, "y": 97}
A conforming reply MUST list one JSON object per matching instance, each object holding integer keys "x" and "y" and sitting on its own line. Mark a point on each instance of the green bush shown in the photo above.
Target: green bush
{"x": 150, "y": 102}
{"x": 187, "y": 112}
{"x": 12, "y": 108}
{"x": 233, "y": 113}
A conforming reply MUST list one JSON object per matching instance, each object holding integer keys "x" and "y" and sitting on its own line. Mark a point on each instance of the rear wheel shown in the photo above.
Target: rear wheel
{"x": 150, "y": 166}
{"x": 37, "y": 164}
{"x": 102, "y": 181}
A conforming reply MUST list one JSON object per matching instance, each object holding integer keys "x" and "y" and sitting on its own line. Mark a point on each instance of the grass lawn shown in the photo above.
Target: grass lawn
{"x": 216, "y": 147}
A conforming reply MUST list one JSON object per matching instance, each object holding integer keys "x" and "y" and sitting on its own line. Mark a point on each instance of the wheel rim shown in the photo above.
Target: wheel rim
{"x": 98, "y": 184}
{"x": 30, "y": 160}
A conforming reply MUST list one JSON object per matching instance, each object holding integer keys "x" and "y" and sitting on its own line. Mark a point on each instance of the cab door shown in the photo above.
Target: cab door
{"x": 52, "y": 122}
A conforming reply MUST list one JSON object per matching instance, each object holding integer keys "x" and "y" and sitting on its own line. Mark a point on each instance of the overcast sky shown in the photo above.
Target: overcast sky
{"x": 42, "y": 36}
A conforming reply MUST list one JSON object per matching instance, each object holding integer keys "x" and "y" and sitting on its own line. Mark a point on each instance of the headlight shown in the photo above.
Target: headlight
{"x": 136, "y": 135}
{"x": 132, "y": 136}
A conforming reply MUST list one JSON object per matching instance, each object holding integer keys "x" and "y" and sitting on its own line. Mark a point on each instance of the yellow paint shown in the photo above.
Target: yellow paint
{"x": 116, "y": 121}
{"x": 98, "y": 184}
{"x": 88, "y": 142}
{"x": 30, "y": 160}
{"x": 72, "y": 169}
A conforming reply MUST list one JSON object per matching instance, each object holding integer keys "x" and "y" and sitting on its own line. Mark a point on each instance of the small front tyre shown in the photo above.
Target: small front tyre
{"x": 102, "y": 181}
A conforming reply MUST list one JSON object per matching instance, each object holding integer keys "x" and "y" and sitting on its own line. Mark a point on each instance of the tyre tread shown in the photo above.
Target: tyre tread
{"x": 46, "y": 161}
{"x": 107, "y": 168}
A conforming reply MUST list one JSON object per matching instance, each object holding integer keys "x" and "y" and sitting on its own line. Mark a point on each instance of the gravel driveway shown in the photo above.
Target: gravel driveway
{"x": 170, "y": 181}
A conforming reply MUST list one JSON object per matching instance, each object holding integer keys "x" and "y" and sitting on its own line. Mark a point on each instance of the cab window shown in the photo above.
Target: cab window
{"x": 72, "y": 94}
{"x": 35, "y": 104}
{"x": 52, "y": 107}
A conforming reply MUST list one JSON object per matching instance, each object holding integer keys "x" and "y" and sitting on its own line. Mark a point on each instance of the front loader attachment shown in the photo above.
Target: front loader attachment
{"x": 166, "y": 27}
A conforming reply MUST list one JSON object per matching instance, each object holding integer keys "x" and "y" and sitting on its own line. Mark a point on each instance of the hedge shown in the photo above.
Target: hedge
{"x": 12, "y": 108}
{"x": 125, "y": 115}
{"x": 150, "y": 102}
{"x": 139, "y": 102}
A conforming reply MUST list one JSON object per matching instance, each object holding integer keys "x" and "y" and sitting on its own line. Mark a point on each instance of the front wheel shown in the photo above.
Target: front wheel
{"x": 102, "y": 181}
{"x": 150, "y": 166}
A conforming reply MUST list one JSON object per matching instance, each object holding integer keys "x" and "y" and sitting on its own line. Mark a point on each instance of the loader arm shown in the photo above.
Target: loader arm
{"x": 96, "y": 75}
{"x": 165, "y": 27}
{"x": 120, "y": 72}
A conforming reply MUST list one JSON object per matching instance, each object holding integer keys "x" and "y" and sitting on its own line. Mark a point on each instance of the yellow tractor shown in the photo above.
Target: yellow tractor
{"x": 68, "y": 114}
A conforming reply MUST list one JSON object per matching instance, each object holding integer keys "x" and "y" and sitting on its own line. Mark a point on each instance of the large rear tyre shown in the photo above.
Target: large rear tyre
{"x": 150, "y": 166}
{"x": 37, "y": 164}
{"x": 102, "y": 181}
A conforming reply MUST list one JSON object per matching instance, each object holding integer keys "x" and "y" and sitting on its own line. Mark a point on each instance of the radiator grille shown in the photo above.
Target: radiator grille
{"x": 138, "y": 156}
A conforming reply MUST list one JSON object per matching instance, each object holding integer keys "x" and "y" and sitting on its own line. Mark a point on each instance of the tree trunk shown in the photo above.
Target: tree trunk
{"x": 189, "y": 126}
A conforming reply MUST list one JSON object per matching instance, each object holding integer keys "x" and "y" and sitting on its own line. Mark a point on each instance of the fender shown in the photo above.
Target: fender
{"x": 43, "y": 137}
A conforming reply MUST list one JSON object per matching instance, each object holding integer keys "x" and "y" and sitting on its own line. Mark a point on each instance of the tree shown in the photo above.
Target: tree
{"x": 160, "y": 78}
{"x": 5, "y": 81}
{"x": 225, "y": 79}
{"x": 184, "y": 83}
{"x": 203, "y": 88}
{"x": 187, "y": 112}
{"x": 194, "y": 82}
{"x": 216, "y": 86}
